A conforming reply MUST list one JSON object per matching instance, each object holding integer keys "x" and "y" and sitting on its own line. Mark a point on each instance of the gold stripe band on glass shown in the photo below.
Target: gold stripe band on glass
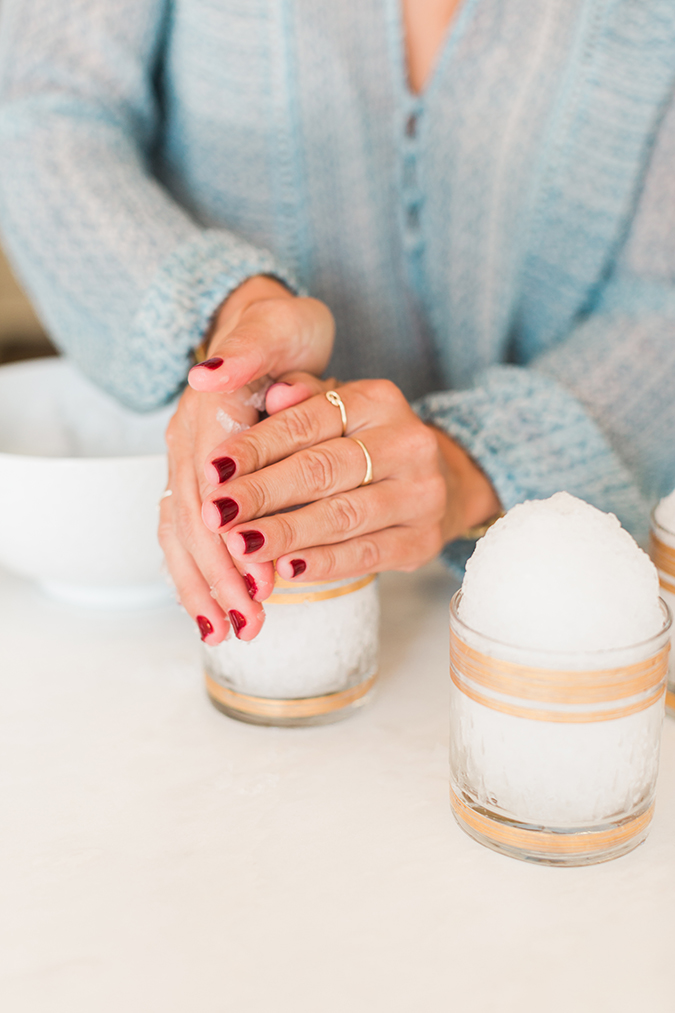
{"x": 663, "y": 556}
{"x": 547, "y": 842}
{"x": 555, "y": 686}
{"x": 305, "y": 707}
{"x": 299, "y": 596}
{"x": 558, "y": 716}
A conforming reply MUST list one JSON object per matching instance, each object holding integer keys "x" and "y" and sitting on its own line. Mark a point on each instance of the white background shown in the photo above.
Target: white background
{"x": 158, "y": 856}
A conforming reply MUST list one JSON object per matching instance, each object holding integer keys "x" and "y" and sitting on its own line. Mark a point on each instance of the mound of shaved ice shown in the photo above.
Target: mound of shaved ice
{"x": 665, "y": 513}
{"x": 560, "y": 575}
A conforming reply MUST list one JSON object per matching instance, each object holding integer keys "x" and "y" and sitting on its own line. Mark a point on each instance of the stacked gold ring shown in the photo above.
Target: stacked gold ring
{"x": 335, "y": 399}
{"x": 368, "y": 477}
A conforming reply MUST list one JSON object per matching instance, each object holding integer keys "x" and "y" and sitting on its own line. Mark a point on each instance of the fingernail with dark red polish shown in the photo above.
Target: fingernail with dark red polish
{"x": 205, "y": 626}
{"x": 225, "y": 467}
{"x": 214, "y": 363}
{"x": 299, "y": 566}
{"x": 253, "y": 540}
{"x": 227, "y": 509}
{"x": 238, "y": 621}
{"x": 251, "y": 586}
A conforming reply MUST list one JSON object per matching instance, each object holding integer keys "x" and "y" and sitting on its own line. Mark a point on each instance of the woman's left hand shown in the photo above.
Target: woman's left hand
{"x": 425, "y": 489}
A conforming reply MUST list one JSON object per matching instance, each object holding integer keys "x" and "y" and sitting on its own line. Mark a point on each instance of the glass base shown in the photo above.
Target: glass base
{"x": 670, "y": 700}
{"x": 549, "y": 846}
{"x": 314, "y": 710}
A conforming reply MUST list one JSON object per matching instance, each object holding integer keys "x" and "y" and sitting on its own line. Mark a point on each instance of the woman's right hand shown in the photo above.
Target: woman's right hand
{"x": 262, "y": 331}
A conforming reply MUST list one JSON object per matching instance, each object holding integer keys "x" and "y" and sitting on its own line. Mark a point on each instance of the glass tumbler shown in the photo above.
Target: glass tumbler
{"x": 314, "y": 661}
{"x": 554, "y": 755}
{"x": 662, "y": 551}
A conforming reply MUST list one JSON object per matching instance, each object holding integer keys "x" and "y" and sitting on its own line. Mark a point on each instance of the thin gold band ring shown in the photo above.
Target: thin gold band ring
{"x": 368, "y": 477}
{"x": 335, "y": 399}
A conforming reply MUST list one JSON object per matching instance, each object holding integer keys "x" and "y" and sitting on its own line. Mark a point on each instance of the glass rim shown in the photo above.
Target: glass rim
{"x": 656, "y": 524}
{"x": 603, "y": 652}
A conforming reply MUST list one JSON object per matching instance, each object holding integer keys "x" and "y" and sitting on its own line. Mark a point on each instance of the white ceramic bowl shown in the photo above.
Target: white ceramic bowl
{"x": 80, "y": 480}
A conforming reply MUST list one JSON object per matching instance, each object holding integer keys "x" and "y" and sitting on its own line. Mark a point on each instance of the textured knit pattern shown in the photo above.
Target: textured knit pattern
{"x": 502, "y": 247}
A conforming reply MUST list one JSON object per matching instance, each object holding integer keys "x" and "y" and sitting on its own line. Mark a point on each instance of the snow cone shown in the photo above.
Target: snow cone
{"x": 559, "y": 648}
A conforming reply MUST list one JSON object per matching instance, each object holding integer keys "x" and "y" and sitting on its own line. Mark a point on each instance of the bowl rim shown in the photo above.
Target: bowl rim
{"x": 59, "y": 362}
{"x": 55, "y": 460}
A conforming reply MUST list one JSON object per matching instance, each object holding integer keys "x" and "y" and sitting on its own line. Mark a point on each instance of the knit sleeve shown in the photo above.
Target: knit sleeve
{"x": 124, "y": 279}
{"x": 595, "y": 414}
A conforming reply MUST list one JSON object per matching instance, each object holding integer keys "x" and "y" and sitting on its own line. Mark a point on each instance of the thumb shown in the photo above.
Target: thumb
{"x": 235, "y": 360}
{"x": 269, "y": 338}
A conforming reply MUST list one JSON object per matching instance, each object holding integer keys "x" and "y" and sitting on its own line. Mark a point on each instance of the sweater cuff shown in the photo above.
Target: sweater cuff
{"x": 532, "y": 438}
{"x": 177, "y": 310}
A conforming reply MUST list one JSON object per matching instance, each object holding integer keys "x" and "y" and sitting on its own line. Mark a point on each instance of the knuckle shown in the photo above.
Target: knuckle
{"x": 320, "y": 467}
{"x": 428, "y": 444}
{"x": 251, "y": 453}
{"x": 384, "y": 391}
{"x": 421, "y": 443}
{"x": 299, "y": 426}
{"x": 257, "y": 496}
{"x": 219, "y": 586}
{"x": 165, "y": 532}
{"x": 284, "y": 533}
{"x": 369, "y": 555}
{"x": 171, "y": 433}
{"x": 434, "y": 492}
{"x": 426, "y": 545}
{"x": 329, "y": 563}
{"x": 220, "y": 590}
{"x": 345, "y": 515}
{"x": 184, "y": 524}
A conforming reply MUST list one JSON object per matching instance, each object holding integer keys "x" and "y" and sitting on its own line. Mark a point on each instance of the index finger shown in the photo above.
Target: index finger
{"x": 299, "y": 427}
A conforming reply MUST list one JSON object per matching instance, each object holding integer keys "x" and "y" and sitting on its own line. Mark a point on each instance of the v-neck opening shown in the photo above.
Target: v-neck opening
{"x": 451, "y": 37}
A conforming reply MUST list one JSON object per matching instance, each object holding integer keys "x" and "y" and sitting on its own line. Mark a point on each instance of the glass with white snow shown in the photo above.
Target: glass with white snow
{"x": 314, "y": 661}
{"x": 559, "y": 649}
{"x": 662, "y": 551}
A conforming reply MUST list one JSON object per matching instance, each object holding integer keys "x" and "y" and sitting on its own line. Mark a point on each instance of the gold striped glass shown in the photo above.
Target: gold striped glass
{"x": 554, "y": 755}
{"x": 662, "y": 551}
{"x": 314, "y": 661}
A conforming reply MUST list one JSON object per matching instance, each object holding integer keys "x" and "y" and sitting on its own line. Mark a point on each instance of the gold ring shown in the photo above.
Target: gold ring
{"x": 336, "y": 400}
{"x": 368, "y": 477}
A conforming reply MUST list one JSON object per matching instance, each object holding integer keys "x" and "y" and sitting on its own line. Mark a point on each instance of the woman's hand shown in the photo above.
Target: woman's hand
{"x": 264, "y": 330}
{"x": 425, "y": 489}
{"x": 261, "y": 331}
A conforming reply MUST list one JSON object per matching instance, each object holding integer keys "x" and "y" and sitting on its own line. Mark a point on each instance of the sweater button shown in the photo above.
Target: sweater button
{"x": 413, "y": 215}
{"x": 411, "y": 125}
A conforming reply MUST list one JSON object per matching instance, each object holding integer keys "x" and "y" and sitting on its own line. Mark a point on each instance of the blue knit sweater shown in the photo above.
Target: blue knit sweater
{"x": 502, "y": 247}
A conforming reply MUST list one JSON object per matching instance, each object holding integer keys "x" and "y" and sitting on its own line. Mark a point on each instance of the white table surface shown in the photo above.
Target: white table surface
{"x": 158, "y": 856}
